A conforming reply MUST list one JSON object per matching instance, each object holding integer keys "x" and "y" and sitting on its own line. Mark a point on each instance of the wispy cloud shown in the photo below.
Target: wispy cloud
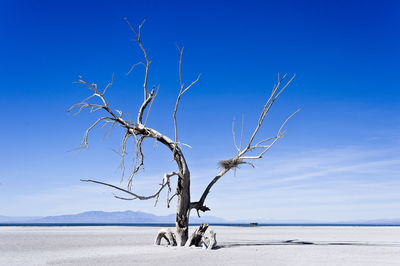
{"x": 312, "y": 182}
{"x": 330, "y": 184}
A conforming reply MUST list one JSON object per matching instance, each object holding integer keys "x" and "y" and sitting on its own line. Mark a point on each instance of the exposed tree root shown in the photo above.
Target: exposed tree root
{"x": 168, "y": 235}
{"x": 197, "y": 239}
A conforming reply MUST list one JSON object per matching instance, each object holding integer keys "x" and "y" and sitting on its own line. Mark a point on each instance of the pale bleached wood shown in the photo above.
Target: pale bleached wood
{"x": 197, "y": 236}
{"x": 166, "y": 234}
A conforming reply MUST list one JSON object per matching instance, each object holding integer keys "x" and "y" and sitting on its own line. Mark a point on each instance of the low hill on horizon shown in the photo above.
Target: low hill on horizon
{"x": 137, "y": 217}
{"x": 117, "y": 217}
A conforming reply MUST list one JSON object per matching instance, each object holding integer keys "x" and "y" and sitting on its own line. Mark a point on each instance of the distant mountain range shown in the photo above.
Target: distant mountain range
{"x": 132, "y": 217}
{"x": 100, "y": 217}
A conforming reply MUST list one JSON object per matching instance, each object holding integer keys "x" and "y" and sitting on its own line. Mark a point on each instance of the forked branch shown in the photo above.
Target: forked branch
{"x": 261, "y": 147}
{"x": 136, "y": 130}
{"x": 182, "y": 90}
{"x": 147, "y": 64}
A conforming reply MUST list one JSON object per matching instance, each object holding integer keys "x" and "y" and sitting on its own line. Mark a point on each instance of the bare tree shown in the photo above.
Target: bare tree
{"x": 138, "y": 131}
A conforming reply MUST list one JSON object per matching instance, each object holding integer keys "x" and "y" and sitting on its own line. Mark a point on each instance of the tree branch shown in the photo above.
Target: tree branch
{"x": 240, "y": 158}
{"x": 165, "y": 182}
{"x": 143, "y": 106}
{"x": 147, "y": 65}
{"x": 84, "y": 143}
{"x": 181, "y": 92}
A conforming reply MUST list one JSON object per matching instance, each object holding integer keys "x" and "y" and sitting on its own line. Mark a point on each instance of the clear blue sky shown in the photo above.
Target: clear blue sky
{"x": 340, "y": 159}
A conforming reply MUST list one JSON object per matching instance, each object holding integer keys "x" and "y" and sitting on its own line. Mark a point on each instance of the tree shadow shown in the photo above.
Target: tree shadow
{"x": 298, "y": 242}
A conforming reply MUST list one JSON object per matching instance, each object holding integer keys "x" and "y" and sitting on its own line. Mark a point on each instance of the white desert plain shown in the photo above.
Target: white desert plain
{"x": 262, "y": 245}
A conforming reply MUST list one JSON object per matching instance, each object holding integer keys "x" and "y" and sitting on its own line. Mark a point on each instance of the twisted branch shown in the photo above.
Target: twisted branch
{"x": 165, "y": 183}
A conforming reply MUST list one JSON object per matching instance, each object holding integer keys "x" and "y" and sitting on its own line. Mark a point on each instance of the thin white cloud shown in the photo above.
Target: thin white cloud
{"x": 315, "y": 184}
{"x": 312, "y": 181}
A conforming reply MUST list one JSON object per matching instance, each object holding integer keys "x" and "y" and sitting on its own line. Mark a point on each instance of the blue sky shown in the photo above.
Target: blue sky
{"x": 340, "y": 159}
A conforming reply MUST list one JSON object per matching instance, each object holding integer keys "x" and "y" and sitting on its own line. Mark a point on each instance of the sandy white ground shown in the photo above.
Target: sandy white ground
{"x": 294, "y": 245}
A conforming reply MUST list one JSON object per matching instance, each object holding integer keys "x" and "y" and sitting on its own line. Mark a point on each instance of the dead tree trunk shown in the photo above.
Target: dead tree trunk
{"x": 183, "y": 193}
{"x": 183, "y": 208}
{"x": 139, "y": 131}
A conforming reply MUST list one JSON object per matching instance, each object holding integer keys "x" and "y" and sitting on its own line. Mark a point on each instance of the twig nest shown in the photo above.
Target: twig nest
{"x": 230, "y": 163}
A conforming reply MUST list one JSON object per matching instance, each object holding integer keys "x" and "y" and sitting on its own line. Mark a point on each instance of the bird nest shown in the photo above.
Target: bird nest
{"x": 230, "y": 163}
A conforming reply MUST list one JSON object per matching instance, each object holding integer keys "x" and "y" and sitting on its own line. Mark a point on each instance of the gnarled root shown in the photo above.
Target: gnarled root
{"x": 199, "y": 240}
{"x": 209, "y": 242}
{"x": 168, "y": 235}
{"x": 197, "y": 236}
